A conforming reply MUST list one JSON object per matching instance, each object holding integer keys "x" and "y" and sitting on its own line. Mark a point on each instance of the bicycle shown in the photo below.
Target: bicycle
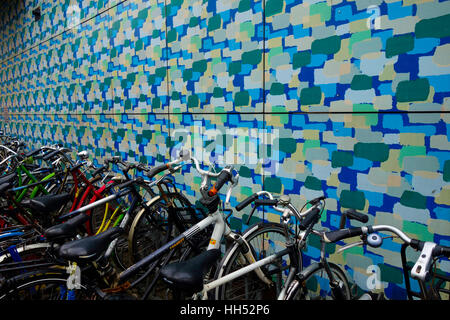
{"x": 29, "y": 242}
{"x": 59, "y": 191}
{"x": 273, "y": 271}
{"x": 186, "y": 277}
{"x": 50, "y": 280}
{"x": 88, "y": 246}
{"x": 304, "y": 288}
{"x": 192, "y": 237}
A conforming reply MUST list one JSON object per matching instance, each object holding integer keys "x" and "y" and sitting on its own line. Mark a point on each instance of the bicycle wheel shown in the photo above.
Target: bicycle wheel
{"x": 316, "y": 285}
{"x": 46, "y": 285}
{"x": 441, "y": 289}
{"x": 27, "y": 257}
{"x": 153, "y": 227}
{"x": 264, "y": 239}
{"x": 123, "y": 254}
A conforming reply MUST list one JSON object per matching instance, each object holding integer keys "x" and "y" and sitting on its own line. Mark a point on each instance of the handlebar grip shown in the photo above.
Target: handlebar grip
{"x": 76, "y": 167}
{"x": 334, "y": 236}
{"x": 142, "y": 167}
{"x": 266, "y": 202}
{"x": 224, "y": 177}
{"x": 32, "y": 153}
{"x": 441, "y": 250}
{"x": 155, "y": 170}
{"x": 99, "y": 170}
{"x": 316, "y": 200}
{"x": 129, "y": 182}
{"x": 355, "y": 215}
{"x": 246, "y": 202}
{"x": 116, "y": 159}
{"x": 310, "y": 218}
{"x": 50, "y": 155}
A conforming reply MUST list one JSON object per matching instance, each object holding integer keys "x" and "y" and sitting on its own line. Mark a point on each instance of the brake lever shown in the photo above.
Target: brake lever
{"x": 234, "y": 182}
{"x": 374, "y": 242}
{"x": 175, "y": 169}
{"x": 250, "y": 215}
{"x": 351, "y": 245}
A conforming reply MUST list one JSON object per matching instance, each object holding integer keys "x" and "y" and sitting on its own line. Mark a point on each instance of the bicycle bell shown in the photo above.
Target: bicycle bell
{"x": 284, "y": 200}
{"x": 374, "y": 240}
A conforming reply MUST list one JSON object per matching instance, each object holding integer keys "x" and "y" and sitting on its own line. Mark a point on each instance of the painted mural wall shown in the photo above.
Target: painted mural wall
{"x": 349, "y": 99}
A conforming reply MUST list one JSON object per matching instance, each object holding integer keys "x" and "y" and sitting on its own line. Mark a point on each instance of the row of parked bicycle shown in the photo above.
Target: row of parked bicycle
{"x": 72, "y": 230}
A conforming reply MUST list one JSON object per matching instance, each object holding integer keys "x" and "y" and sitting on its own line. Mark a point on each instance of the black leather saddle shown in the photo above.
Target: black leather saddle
{"x": 32, "y": 153}
{"x": 187, "y": 276}
{"x": 9, "y": 178}
{"x": 66, "y": 230}
{"x": 5, "y": 187}
{"x": 47, "y": 203}
{"x": 89, "y": 248}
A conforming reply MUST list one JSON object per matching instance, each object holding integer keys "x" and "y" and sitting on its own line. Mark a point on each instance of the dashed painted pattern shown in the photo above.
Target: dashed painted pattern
{"x": 349, "y": 99}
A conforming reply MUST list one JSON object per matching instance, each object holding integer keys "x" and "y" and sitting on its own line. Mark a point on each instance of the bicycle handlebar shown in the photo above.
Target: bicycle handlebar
{"x": 337, "y": 235}
{"x": 246, "y": 202}
{"x": 306, "y": 218}
{"x": 202, "y": 172}
{"x": 223, "y": 177}
{"x": 155, "y": 170}
{"x": 55, "y": 152}
{"x": 32, "y": 153}
{"x": 99, "y": 170}
{"x": 310, "y": 218}
{"x": 429, "y": 250}
{"x": 50, "y": 155}
{"x": 353, "y": 214}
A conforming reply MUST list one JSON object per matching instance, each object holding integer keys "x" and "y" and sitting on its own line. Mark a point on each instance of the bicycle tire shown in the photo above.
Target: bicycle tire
{"x": 151, "y": 229}
{"x": 122, "y": 252}
{"x": 316, "y": 284}
{"x": 31, "y": 255}
{"x": 96, "y": 215}
{"x": 152, "y": 226}
{"x": 441, "y": 290}
{"x": 45, "y": 285}
{"x": 27, "y": 252}
{"x": 249, "y": 286}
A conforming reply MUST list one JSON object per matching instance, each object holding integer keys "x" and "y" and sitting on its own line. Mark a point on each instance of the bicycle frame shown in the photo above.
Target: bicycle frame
{"x": 220, "y": 229}
{"x": 20, "y": 195}
{"x": 80, "y": 198}
{"x": 291, "y": 250}
{"x": 238, "y": 273}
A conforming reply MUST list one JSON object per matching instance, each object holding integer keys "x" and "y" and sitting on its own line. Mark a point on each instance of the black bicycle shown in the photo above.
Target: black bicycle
{"x": 323, "y": 281}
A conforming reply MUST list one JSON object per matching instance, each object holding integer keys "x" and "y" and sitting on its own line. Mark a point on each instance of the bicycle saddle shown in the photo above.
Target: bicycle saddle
{"x": 65, "y": 230}
{"x": 32, "y": 153}
{"x": 4, "y": 187}
{"x": 89, "y": 248}
{"x": 46, "y": 203}
{"x": 9, "y": 178}
{"x": 188, "y": 275}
